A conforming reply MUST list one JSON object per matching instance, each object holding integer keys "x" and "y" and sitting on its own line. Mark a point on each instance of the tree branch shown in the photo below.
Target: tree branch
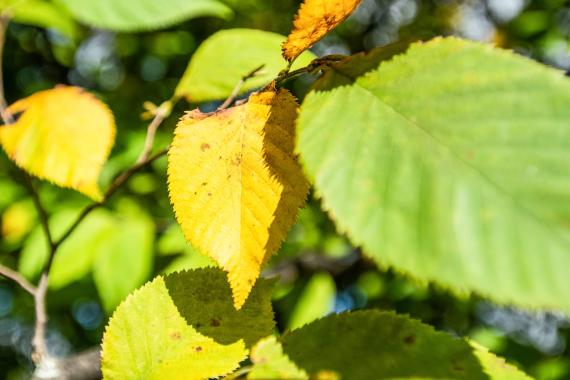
{"x": 38, "y": 341}
{"x": 40, "y": 352}
{"x": 42, "y": 214}
{"x": 17, "y": 278}
{"x": 6, "y": 116}
{"x": 115, "y": 185}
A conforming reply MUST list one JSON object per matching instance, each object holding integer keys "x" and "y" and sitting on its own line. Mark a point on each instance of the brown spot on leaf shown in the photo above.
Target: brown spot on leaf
{"x": 175, "y": 335}
{"x": 237, "y": 160}
{"x": 198, "y": 348}
{"x": 457, "y": 367}
{"x": 410, "y": 339}
{"x": 214, "y": 322}
{"x": 204, "y": 147}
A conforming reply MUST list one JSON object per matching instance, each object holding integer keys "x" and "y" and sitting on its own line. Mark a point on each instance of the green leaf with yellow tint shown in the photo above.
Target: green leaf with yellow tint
{"x": 63, "y": 135}
{"x": 143, "y": 15}
{"x": 235, "y": 184}
{"x": 148, "y": 338}
{"x": 450, "y": 164}
{"x": 224, "y": 58}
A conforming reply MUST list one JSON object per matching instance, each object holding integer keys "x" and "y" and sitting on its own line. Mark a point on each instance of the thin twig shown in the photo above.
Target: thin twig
{"x": 315, "y": 65}
{"x": 17, "y": 278}
{"x": 237, "y": 89}
{"x": 42, "y": 214}
{"x": 161, "y": 113}
{"x": 115, "y": 185}
{"x": 6, "y": 116}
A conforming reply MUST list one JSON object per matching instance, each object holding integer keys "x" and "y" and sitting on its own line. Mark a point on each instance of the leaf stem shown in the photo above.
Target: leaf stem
{"x": 161, "y": 113}
{"x": 237, "y": 89}
{"x": 315, "y": 65}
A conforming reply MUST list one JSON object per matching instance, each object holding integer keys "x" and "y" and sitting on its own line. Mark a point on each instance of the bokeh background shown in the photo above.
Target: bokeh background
{"x": 320, "y": 271}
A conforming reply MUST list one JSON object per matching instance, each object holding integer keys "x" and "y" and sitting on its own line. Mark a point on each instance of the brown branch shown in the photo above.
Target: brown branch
{"x": 42, "y": 214}
{"x": 40, "y": 352}
{"x": 315, "y": 65}
{"x": 17, "y": 278}
{"x": 237, "y": 89}
{"x": 115, "y": 185}
{"x": 6, "y": 116}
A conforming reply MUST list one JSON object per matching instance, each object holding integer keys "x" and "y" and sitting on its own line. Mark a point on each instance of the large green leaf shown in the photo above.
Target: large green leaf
{"x": 135, "y": 16}
{"x": 450, "y": 163}
{"x": 41, "y": 13}
{"x": 381, "y": 345}
{"x": 225, "y": 57}
{"x": 148, "y": 338}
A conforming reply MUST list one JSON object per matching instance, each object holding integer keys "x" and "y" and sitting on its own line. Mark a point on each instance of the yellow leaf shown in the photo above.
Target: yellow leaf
{"x": 63, "y": 135}
{"x": 235, "y": 183}
{"x": 315, "y": 19}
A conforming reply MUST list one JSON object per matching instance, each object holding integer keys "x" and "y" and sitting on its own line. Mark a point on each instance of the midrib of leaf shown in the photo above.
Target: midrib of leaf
{"x": 243, "y": 117}
{"x": 479, "y": 173}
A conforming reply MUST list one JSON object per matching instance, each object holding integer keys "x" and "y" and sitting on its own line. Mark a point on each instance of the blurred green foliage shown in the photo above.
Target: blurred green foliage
{"x": 135, "y": 237}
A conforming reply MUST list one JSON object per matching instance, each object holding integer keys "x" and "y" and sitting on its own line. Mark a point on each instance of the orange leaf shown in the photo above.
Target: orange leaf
{"x": 315, "y": 19}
